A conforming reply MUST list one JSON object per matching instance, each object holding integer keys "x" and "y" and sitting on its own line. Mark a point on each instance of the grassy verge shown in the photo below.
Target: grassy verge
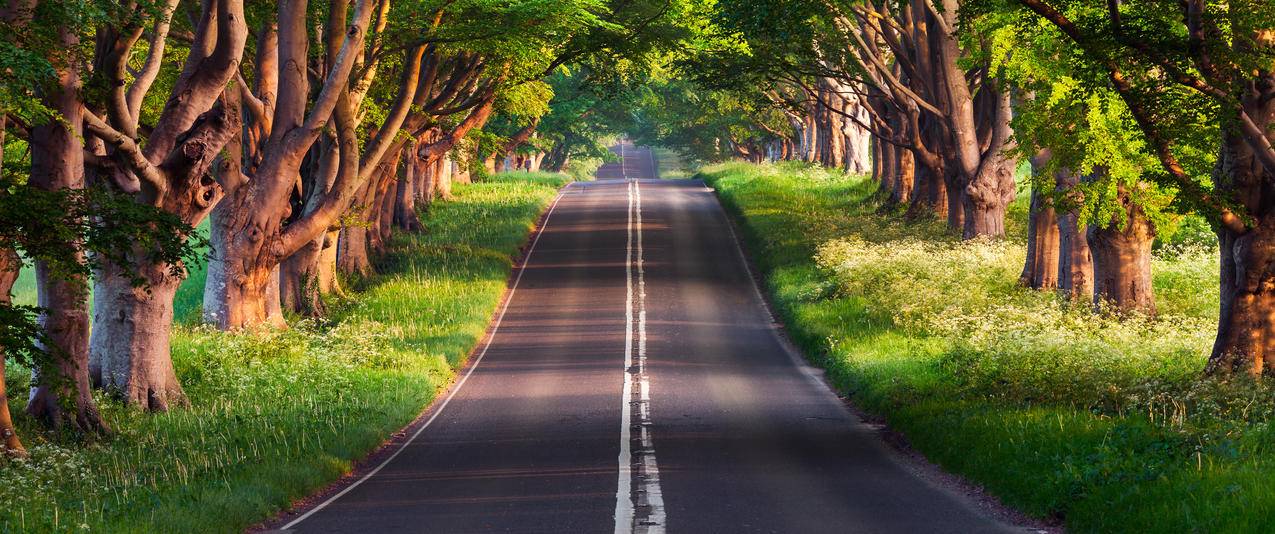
{"x": 1062, "y": 412}
{"x": 278, "y": 414}
{"x": 670, "y": 165}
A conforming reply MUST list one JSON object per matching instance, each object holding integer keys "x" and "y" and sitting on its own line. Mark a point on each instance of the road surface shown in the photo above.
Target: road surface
{"x": 635, "y": 383}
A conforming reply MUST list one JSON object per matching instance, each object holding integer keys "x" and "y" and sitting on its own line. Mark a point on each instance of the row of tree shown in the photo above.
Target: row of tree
{"x": 304, "y": 134}
{"x": 1124, "y": 114}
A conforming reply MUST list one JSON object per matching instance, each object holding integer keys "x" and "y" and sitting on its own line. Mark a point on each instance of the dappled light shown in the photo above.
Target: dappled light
{"x": 637, "y": 266}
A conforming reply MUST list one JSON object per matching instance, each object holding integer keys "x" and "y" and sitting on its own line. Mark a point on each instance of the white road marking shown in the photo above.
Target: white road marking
{"x": 460, "y": 383}
{"x": 645, "y": 513}
{"x": 653, "y": 522}
{"x": 624, "y": 487}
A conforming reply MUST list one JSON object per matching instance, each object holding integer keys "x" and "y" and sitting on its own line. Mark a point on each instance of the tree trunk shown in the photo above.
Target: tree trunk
{"x": 57, "y": 163}
{"x": 903, "y": 171}
{"x": 987, "y": 195}
{"x": 352, "y": 252}
{"x": 460, "y": 171}
{"x": 352, "y": 247}
{"x": 858, "y": 145}
{"x": 955, "y": 196}
{"x": 64, "y": 384}
{"x": 987, "y": 198}
{"x": 405, "y": 216}
{"x": 299, "y": 288}
{"x": 129, "y": 352}
{"x": 385, "y": 212}
{"x": 1246, "y": 325}
{"x": 257, "y": 233}
{"x": 929, "y": 194}
{"x": 1122, "y": 260}
{"x": 1075, "y": 263}
{"x": 443, "y": 181}
{"x": 299, "y": 280}
{"x": 10, "y": 266}
{"x": 880, "y": 162}
{"x": 228, "y": 303}
{"x": 1041, "y": 269}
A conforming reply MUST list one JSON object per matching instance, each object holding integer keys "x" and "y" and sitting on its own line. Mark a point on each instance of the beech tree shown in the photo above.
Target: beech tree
{"x": 452, "y": 70}
{"x": 1218, "y": 60}
{"x": 922, "y": 88}
{"x": 1091, "y": 169}
{"x": 168, "y": 170}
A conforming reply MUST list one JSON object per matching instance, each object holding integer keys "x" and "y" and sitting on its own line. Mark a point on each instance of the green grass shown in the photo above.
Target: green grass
{"x": 670, "y": 165}
{"x": 277, "y": 414}
{"x": 1062, "y": 412}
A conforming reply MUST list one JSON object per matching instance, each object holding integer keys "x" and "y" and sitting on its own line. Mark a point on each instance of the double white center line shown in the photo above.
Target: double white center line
{"x": 639, "y": 503}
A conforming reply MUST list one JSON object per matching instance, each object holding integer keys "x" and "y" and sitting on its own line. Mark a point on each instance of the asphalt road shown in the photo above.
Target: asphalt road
{"x": 636, "y": 383}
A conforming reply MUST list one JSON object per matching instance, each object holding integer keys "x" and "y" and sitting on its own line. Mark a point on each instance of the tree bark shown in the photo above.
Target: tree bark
{"x": 1122, "y": 260}
{"x": 61, "y": 396}
{"x": 1041, "y": 269}
{"x": 299, "y": 285}
{"x": 384, "y": 221}
{"x": 352, "y": 252}
{"x": 129, "y": 348}
{"x": 133, "y": 361}
{"x": 443, "y": 181}
{"x": 1245, "y": 341}
{"x": 10, "y": 267}
{"x": 929, "y": 195}
{"x": 405, "y": 216}
{"x": 857, "y": 140}
{"x": 256, "y": 239}
{"x": 57, "y": 163}
{"x": 1075, "y": 262}
{"x": 987, "y": 195}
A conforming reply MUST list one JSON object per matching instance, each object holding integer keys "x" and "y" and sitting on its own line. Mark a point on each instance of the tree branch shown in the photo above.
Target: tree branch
{"x": 130, "y": 153}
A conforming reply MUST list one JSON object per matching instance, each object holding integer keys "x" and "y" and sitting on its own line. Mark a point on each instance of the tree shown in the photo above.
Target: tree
{"x": 1219, "y": 60}
{"x": 129, "y": 349}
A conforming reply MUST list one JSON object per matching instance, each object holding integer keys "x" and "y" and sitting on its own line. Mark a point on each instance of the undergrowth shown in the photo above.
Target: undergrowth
{"x": 277, "y": 414}
{"x": 1101, "y": 420}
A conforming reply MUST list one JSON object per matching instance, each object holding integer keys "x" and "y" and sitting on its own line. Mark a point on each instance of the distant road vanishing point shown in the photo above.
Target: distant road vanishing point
{"x": 635, "y": 382}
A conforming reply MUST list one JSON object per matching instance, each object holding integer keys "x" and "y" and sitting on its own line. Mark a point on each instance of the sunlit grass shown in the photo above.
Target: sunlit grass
{"x": 278, "y": 414}
{"x": 670, "y": 165}
{"x": 1060, "y": 411}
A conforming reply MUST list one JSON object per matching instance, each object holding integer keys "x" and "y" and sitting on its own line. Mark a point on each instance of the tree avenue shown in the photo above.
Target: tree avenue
{"x": 306, "y": 132}
{"x": 286, "y": 143}
{"x": 1122, "y": 117}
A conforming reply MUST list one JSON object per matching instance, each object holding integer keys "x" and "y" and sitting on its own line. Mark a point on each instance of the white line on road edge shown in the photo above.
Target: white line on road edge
{"x": 650, "y": 499}
{"x": 812, "y": 375}
{"x": 499, "y": 318}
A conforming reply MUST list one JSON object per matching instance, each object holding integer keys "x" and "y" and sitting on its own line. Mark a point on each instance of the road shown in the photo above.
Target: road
{"x": 636, "y": 383}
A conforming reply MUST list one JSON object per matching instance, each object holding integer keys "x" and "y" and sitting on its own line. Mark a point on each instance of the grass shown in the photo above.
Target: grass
{"x": 670, "y": 165}
{"x": 1065, "y": 413}
{"x": 277, "y": 414}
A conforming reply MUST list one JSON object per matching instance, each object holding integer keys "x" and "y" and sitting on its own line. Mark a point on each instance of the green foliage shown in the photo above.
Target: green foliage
{"x": 1060, "y": 411}
{"x": 703, "y": 124}
{"x": 1184, "y": 89}
{"x": 277, "y": 414}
